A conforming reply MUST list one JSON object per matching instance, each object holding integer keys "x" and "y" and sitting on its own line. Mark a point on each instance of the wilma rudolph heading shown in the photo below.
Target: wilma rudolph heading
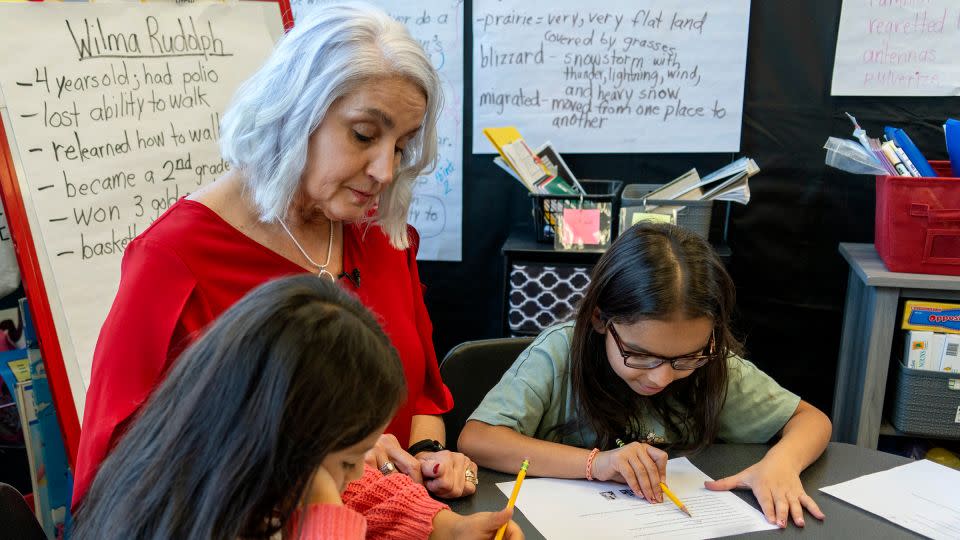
{"x": 181, "y": 38}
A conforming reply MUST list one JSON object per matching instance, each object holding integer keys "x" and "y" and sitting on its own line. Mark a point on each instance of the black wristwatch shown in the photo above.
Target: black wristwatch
{"x": 426, "y": 445}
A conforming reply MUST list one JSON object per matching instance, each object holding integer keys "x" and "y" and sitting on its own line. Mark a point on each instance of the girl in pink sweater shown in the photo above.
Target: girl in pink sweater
{"x": 260, "y": 429}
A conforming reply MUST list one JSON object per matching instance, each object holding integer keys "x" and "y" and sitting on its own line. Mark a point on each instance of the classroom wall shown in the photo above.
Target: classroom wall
{"x": 790, "y": 278}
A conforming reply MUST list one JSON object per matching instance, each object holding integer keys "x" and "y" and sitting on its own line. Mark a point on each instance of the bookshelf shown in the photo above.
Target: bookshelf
{"x": 870, "y": 320}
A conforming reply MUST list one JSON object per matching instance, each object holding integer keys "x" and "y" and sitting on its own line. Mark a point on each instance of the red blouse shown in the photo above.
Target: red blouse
{"x": 191, "y": 265}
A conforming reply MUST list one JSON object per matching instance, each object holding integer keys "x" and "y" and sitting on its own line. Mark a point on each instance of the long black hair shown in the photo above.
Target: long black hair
{"x": 653, "y": 272}
{"x": 226, "y": 446}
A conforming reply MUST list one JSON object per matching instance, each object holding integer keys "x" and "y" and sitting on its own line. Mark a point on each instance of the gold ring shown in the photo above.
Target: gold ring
{"x": 472, "y": 477}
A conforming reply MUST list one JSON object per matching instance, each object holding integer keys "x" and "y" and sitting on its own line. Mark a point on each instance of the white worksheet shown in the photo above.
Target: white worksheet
{"x": 562, "y": 509}
{"x": 922, "y": 496}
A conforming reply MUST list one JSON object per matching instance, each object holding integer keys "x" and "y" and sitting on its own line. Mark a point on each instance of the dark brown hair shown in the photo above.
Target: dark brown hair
{"x": 653, "y": 272}
{"x": 227, "y": 444}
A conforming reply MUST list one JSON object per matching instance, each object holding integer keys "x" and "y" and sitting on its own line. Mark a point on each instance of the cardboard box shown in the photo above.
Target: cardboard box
{"x": 950, "y": 360}
{"x": 924, "y": 350}
{"x": 932, "y": 316}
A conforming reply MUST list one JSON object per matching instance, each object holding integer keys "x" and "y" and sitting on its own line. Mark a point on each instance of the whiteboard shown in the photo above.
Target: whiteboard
{"x": 898, "y": 48}
{"x": 611, "y": 76}
{"x": 437, "y": 207}
{"x": 112, "y": 113}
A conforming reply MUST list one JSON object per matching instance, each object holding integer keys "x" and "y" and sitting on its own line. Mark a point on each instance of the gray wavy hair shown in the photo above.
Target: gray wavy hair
{"x": 330, "y": 51}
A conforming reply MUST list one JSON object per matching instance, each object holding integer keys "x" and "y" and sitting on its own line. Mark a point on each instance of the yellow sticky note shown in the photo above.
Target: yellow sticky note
{"x": 643, "y": 216}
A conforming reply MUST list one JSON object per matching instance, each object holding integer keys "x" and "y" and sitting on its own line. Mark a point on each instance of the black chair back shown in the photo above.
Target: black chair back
{"x": 470, "y": 370}
{"x": 17, "y": 522}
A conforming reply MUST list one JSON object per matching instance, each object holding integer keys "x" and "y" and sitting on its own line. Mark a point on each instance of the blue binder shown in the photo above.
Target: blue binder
{"x": 952, "y": 132}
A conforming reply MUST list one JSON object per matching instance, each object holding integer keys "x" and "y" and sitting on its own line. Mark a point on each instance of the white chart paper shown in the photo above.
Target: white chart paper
{"x": 576, "y": 509}
{"x": 611, "y": 76}
{"x": 112, "y": 115}
{"x": 922, "y": 496}
{"x": 905, "y": 48}
{"x": 437, "y": 207}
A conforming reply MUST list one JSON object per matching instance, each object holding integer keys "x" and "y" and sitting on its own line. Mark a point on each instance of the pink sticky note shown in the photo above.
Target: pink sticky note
{"x": 581, "y": 226}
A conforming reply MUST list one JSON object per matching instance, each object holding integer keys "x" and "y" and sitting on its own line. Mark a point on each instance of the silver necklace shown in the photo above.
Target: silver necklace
{"x": 321, "y": 267}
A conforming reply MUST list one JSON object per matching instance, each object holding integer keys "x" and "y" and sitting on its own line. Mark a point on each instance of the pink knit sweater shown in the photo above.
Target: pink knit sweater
{"x": 375, "y": 506}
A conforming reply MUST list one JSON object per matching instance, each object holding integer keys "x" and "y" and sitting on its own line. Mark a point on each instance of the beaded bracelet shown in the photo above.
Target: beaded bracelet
{"x": 593, "y": 454}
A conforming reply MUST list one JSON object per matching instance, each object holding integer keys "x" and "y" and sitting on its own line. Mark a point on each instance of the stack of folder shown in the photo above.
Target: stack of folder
{"x": 728, "y": 183}
{"x": 687, "y": 200}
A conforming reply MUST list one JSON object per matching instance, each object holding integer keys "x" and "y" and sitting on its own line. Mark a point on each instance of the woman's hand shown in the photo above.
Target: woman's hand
{"x": 777, "y": 487}
{"x": 323, "y": 489}
{"x": 448, "y": 525}
{"x": 388, "y": 449}
{"x": 445, "y": 473}
{"x": 639, "y": 465}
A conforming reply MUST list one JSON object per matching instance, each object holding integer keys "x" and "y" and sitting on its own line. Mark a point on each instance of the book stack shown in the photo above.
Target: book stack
{"x": 933, "y": 337}
{"x": 539, "y": 171}
{"x": 728, "y": 183}
{"x": 687, "y": 200}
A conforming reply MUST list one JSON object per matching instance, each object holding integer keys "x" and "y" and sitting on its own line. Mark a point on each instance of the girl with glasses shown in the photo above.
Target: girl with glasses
{"x": 649, "y": 359}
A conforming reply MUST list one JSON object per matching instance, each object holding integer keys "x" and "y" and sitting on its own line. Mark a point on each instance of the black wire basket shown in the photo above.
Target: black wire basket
{"x": 547, "y": 208}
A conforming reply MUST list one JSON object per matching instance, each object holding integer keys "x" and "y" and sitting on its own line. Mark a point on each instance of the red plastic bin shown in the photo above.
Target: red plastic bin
{"x": 918, "y": 222}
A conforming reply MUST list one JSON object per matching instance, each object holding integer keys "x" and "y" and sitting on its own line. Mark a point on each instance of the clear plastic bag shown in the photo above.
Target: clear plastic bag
{"x": 852, "y": 157}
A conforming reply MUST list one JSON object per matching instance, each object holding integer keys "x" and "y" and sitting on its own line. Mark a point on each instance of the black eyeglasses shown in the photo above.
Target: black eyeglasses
{"x": 645, "y": 360}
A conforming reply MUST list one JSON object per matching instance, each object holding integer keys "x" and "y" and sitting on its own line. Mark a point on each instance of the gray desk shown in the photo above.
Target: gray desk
{"x": 841, "y": 462}
{"x": 869, "y": 322}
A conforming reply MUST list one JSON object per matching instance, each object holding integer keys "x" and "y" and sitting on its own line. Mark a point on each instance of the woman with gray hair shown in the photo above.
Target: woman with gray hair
{"x": 324, "y": 142}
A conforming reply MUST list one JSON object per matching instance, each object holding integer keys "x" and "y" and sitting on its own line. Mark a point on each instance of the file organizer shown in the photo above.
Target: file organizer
{"x": 918, "y": 222}
{"x": 691, "y": 215}
{"x": 601, "y": 194}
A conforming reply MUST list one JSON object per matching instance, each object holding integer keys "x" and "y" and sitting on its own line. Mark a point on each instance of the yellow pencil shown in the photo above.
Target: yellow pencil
{"x": 667, "y": 491}
{"x": 675, "y": 500}
{"x": 513, "y": 496}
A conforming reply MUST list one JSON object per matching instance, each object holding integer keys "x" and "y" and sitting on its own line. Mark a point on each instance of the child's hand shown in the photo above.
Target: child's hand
{"x": 479, "y": 526}
{"x": 639, "y": 465}
{"x": 777, "y": 488}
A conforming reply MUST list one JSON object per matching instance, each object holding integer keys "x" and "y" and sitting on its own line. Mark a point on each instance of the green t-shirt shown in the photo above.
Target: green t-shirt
{"x": 535, "y": 395}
